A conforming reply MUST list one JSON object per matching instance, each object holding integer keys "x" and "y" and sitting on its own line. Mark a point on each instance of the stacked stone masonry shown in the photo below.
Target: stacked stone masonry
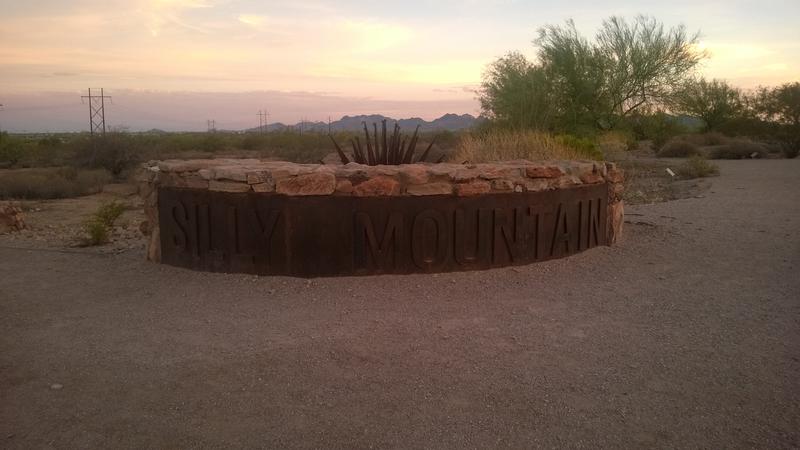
{"x": 458, "y": 180}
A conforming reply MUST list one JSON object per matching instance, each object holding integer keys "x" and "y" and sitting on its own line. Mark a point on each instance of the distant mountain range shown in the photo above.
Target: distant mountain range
{"x": 450, "y": 122}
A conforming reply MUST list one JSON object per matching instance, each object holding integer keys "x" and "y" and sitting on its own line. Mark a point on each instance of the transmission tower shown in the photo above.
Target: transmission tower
{"x": 212, "y": 125}
{"x": 263, "y": 117}
{"x": 97, "y": 111}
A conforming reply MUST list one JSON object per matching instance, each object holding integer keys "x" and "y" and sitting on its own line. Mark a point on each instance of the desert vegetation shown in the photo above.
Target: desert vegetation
{"x": 51, "y": 182}
{"x": 697, "y": 167}
{"x": 632, "y": 86}
{"x": 98, "y": 226}
{"x": 388, "y": 149}
{"x": 506, "y": 145}
{"x": 637, "y": 78}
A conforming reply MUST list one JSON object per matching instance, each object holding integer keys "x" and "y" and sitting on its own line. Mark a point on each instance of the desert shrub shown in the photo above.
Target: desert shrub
{"x": 697, "y": 167}
{"x": 109, "y": 212}
{"x": 115, "y": 152}
{"x": 445, "y": 139}
{"x": 747, "y": 126}
{"x": 254, "y": 142}
{"x": 68, "y": 173}
{"x": 96, "y": 232}
{"x": 10, "y": 150}
{"x": 678, "y": 148}
{"x": 625, "y": 140}
{"x": 706, "y": 139}
{"x": 99, "y": 225}
{"x": 585, "y": 146}
{"x": 790, "y": 149}
{"x": 504, "y": 145}
{"x": 787, "y": 138}
{"x": 48, "y": 183}
{"x": 657, "y": 127}
{"x": 739, "y": 149}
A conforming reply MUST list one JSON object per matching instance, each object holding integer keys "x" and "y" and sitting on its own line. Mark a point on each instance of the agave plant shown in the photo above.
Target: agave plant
{"x": 387, "y": 150}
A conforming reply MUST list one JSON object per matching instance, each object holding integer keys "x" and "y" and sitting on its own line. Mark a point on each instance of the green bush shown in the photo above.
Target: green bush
{"x": 657, "y": 127}
{"x": 697, "y": 167}
{"x": 678, "y": 148}
{"x": 109, "y": 212}
{"x": 739, "y": 149}
{"x": 99, "y": 225}
{"x": 706, "y": 139}
{"x": 254, "y": 142}
{"x": 10, "y": 150}
{"x": 584, "y": 146}
{"x": 790, "y": 149}
{"x": 115, "y": 152}
{"x": 96, "y": 232}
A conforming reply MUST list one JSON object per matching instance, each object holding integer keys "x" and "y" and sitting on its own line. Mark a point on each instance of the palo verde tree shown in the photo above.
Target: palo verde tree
{"x": 596, "y": 83}
{"x": 781, "y": 106}
{"x": 516, "y": 94}
{"x": 714, "y": 102}
{"x": 629, "y": 65}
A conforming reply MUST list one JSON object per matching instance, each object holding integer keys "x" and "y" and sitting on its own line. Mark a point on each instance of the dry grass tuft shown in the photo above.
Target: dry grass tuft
{"x": 513, "y": 145}
{"x": 678, "y": 148}
{"x": 706, "y": 139}
{"x": 739, "y": 149}
{"x": 697, "y": 167}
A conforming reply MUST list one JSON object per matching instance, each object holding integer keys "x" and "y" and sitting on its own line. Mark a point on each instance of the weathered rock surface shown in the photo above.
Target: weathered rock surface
{"x": 11, "y": 218}
{"x": 438, "y": 188}
{"x": 352, "y": 179}
{"x": 378, "y": 186}
{"x": 318, "y": 183}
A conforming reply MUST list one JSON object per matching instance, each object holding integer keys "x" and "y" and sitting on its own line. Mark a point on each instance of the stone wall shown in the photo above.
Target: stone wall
{"x": 356, "y": 180}
{"x": 11, "y": 218}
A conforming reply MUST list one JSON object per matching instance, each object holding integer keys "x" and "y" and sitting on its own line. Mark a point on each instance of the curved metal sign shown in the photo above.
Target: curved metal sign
{"x": 330, "y": 235}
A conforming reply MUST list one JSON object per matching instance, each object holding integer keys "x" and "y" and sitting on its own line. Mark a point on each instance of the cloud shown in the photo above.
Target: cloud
{"x": 776, "y": 67}
{"x": 162, "y": 13}
{"x": 252, "y": 19}
{"x": 735, "y": 50}
{"x": 370, "y": 36}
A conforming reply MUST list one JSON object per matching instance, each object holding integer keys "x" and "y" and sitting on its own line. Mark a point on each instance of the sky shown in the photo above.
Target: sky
{"x": 174, "y": 64}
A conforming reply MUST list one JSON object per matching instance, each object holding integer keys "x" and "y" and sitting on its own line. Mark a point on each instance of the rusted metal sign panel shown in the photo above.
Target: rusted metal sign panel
{"x": 328, "y": 235}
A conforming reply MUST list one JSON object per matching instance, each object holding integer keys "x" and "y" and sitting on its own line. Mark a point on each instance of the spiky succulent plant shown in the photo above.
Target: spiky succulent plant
{"x": 394, "y": 149}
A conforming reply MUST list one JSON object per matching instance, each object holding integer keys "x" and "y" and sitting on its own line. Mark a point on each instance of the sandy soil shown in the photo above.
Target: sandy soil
{"x": 58, "y": 224}
{"x": 686, "y": 334}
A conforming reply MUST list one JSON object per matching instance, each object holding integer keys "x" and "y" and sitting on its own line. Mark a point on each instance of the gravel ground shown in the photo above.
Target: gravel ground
{"x": 686, "y": 334}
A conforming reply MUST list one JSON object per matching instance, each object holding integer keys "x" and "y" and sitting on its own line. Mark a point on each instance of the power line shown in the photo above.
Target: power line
{"x": 97, "y": 111}
{"x": 263, "y": 117}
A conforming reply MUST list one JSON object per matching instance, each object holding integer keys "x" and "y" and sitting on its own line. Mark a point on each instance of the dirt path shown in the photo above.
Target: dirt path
{"x": 687, "y": 334}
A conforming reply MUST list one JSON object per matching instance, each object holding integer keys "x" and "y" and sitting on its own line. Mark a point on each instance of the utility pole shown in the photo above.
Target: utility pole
{"x": 1, "y": 108}
{"x": 212, "y": 125}
{"x": 329, "y": 125}
{"x": 97, "y": 111}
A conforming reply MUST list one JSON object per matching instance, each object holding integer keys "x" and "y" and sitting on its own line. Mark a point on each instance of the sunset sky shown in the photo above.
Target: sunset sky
{"x": 172, "y": 64}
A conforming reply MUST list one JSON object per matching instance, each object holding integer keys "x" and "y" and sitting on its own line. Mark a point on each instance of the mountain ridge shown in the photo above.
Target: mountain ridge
{"x": 447, "y": 122}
